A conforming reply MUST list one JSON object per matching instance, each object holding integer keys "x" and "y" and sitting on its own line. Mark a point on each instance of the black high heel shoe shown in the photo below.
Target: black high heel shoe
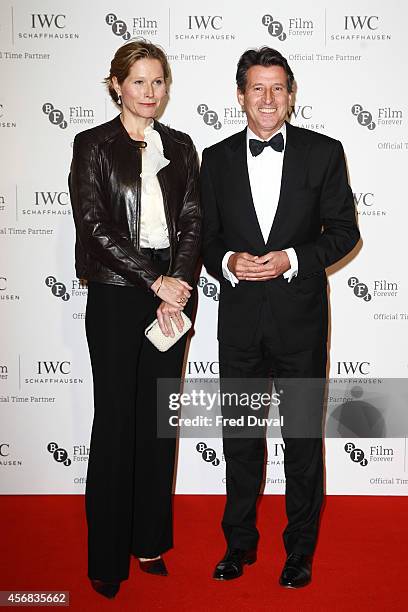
{"x": 154, "y": 566}
{"x": 107, "y": 589}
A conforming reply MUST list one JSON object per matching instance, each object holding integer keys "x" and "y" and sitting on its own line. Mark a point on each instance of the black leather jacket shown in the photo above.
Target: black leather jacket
{"x": 105, "y": 189}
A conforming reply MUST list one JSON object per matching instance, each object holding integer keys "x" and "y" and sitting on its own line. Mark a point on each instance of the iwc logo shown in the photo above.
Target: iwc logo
{"x": 208, "y": 28}
{"x": 44, "y": 26}
{"x": 357, "y": 29}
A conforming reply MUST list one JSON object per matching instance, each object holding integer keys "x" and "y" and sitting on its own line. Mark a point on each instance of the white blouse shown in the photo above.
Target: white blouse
{"x": 154, "y": 232}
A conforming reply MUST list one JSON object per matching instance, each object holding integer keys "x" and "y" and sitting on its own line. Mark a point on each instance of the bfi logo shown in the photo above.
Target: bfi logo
{"x": 356, "y": 454}
{"x": 77, "y": 114}
{"x": 364, "y": 117}
{"x": 296, "y": 26}
{"x": 198, "y": 22}
{"x": 55, "y": 116}
{"x": 360, "y": 290}
{"x": 382, "y": 288}
{"x": 118, "y": 27}
{"x": 60, "y": 455}
{"x": 385, "y": 116}
{"x": 47, "y": 21}
{"x": 58, "y": 289}
{"x": 210, "y": 117}
{"x": 209, "y": 289}
{"x": 141, "y": 25}
{"x": 208, "y": 454}
{"x": 275, "y": 28}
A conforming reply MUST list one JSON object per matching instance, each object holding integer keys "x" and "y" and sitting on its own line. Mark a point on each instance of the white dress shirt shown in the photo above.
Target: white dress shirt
{"x": 154, "y": 233}
{"x": 265, "y": 176}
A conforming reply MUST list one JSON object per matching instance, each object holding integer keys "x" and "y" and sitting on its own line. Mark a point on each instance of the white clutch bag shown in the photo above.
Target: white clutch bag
{"x": 162, "y": 342}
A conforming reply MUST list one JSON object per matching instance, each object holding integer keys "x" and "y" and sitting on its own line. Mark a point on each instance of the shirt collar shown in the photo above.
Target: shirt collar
{"x": 250, "y": 134}
{"x": 149, "y": 128}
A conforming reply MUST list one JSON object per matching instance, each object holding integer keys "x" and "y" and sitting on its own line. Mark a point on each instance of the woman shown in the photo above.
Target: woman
{"x": 134, "y": 192}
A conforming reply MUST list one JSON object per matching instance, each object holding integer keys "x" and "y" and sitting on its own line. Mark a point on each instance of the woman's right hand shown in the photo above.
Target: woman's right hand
{"x": 174, "y": 291}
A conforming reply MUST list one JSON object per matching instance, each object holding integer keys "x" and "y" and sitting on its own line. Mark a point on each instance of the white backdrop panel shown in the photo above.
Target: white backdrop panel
{"x": 348, "y": 60}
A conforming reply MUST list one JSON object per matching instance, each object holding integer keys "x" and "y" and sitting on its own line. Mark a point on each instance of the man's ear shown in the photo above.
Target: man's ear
{"x": 291, "y": 99}
{"x": 240, "y": 96}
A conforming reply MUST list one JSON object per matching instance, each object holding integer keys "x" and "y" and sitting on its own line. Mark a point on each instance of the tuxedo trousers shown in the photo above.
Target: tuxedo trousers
{"x": 300, "y": 383}
{"x": 130, "y": 472}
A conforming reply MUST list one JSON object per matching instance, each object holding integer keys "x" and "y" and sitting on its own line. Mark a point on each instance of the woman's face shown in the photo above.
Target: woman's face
{"x": 143, "y": 89}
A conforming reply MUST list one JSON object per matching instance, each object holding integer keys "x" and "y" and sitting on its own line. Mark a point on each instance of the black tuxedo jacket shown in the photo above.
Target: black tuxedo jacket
{"x": 315, "y": 216}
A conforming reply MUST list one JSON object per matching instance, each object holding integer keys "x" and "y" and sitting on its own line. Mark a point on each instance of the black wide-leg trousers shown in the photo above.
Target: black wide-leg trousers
{"x": 299, "y": 378}
{"x": 130, "y": 471}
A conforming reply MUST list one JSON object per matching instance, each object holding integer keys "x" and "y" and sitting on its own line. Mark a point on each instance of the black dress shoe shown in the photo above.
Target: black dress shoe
{"x": 155, "y": 566}
{"x": 297, "y": 571}
{"x": 107, "y": 589}
{"x": 231, "y": 566}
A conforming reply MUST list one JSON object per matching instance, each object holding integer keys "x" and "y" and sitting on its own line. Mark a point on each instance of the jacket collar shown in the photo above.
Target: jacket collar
{"x": 117, "y": 123}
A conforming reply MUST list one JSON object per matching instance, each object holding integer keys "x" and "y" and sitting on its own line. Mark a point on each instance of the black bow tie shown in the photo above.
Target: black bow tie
{"x": 257, "y": 146}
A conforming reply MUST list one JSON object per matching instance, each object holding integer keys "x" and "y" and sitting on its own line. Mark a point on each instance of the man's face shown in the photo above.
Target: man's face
{"x": 266, "y": 99}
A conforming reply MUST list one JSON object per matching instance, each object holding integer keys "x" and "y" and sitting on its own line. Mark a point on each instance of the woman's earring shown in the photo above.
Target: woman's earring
{"x": 119, "y": 99}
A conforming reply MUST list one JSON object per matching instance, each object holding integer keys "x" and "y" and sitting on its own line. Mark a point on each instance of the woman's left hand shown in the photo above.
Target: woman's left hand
{"x": 166, "y": 315}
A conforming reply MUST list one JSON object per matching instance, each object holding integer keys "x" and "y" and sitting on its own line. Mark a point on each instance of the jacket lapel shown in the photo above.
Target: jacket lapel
{"x": 237, "y": 178}
{"x": 164, "y": 175}
{"x": 293, "y": 174}
{"x": 168, "y": 177}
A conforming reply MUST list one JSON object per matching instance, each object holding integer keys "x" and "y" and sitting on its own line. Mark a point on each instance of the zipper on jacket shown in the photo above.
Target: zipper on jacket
{"x": 138, "y": 201}
{"x": 167, "y": 215}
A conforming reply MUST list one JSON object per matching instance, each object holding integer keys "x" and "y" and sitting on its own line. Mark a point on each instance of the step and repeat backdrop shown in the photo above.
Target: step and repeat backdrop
{"x": 349, "y": 61}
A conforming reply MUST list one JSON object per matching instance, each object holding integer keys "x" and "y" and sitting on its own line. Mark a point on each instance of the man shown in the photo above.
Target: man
{"x": 278, "y": 210}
